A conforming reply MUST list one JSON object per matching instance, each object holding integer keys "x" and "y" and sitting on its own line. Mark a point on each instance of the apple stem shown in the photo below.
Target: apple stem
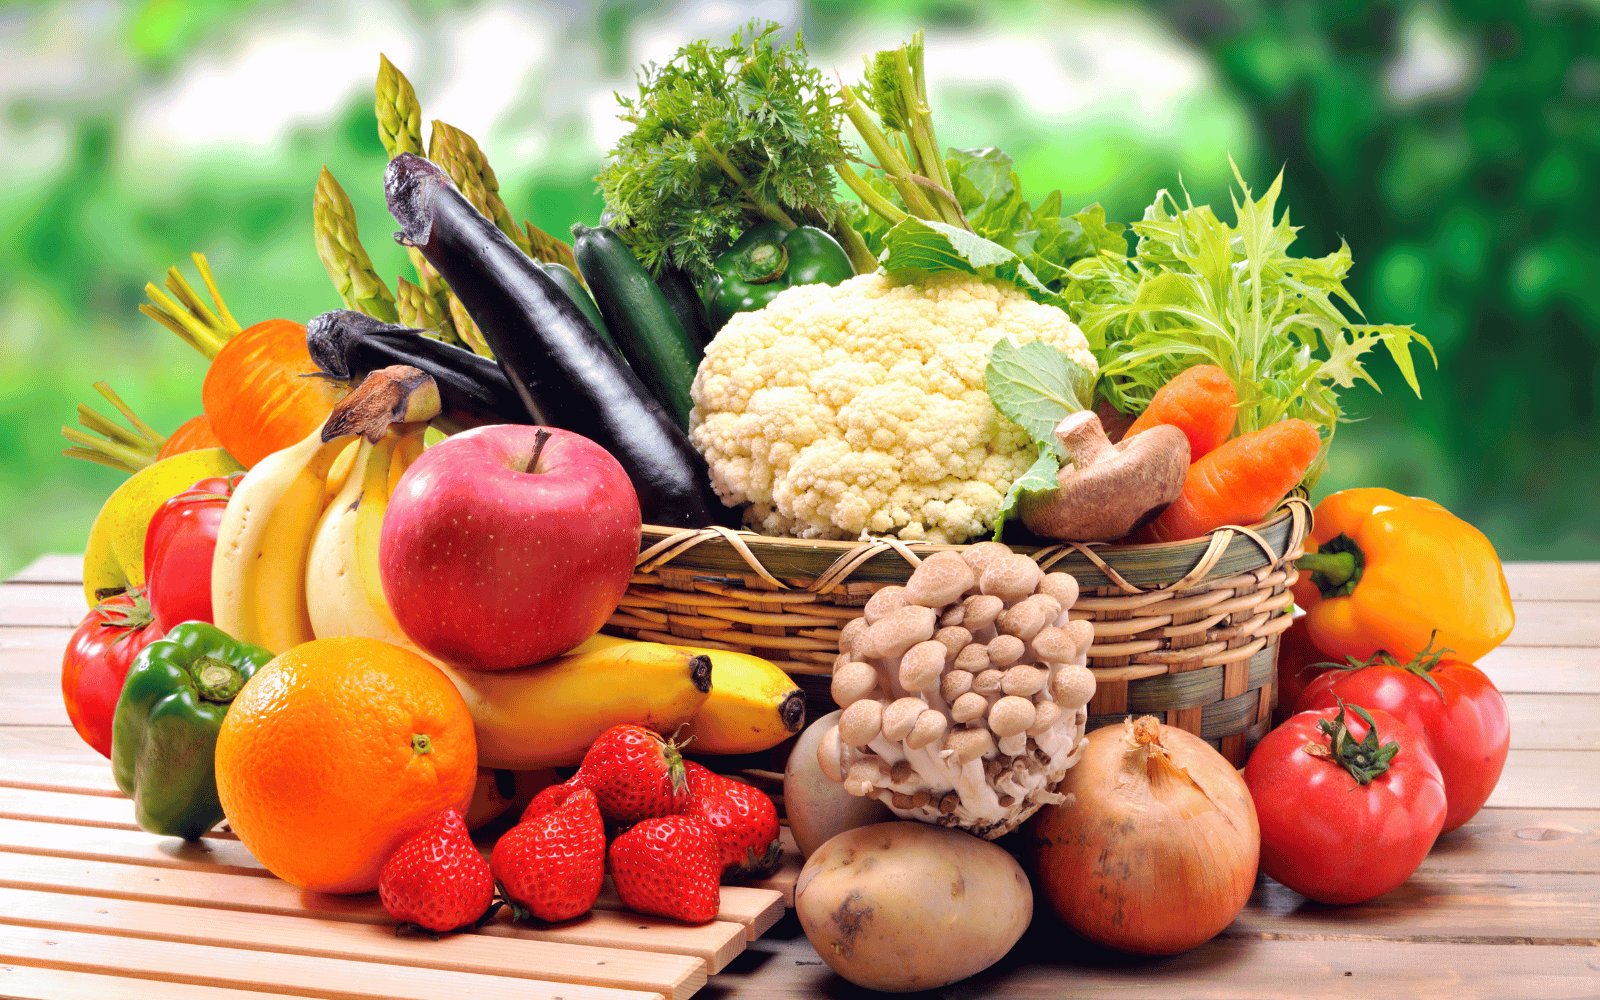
{"x": 538, "y": 448}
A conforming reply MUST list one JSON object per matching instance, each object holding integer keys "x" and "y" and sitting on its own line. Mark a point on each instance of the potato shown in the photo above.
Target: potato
{"x": 907, "y": 906}
{"x": 817, "y": 806}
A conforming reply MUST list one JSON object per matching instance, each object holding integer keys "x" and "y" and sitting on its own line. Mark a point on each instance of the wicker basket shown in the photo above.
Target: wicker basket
{"x": 1187, "y": 630}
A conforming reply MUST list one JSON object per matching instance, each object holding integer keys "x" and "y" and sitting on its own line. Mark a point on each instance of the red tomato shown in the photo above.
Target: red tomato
{"x": 1464, "y": 721}
{"x": 97, "y": 660}
{"x": 1324, "y": 834}
{"x": 1299, "y": 663}
{"x": 177, "y": 551}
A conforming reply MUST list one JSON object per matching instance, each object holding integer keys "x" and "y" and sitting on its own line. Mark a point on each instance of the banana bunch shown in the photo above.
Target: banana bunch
{"x": 297, "y": 559}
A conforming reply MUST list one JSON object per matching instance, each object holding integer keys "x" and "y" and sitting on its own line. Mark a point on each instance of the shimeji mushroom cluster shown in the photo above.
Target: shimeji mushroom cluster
{"x": 965, "y": 692}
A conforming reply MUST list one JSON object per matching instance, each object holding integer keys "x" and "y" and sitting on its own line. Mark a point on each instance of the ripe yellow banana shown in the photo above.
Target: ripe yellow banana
{"x": 258, "y": 573}
{"x": 344, "y": 592}
{"x": 547, "y": 715}
{"x": 753, "y": 705}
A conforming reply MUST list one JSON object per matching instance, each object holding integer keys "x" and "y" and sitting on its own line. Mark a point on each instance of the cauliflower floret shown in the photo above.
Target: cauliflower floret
{"x": 860, "y": 409}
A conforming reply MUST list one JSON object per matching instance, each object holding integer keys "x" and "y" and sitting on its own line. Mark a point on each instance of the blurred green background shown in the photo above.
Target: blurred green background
{"x": 1455, "y": 146}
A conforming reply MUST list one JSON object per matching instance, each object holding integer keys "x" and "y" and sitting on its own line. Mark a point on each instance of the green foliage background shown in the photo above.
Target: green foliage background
{"x": 1471, "y": 212}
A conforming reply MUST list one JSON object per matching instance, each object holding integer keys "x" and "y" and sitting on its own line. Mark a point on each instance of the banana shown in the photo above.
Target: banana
{"x": 547, "y": 715}
{"x": 753, "y": 705}
{"x": 258, "y": 573}
{"x": 344, "y": 591}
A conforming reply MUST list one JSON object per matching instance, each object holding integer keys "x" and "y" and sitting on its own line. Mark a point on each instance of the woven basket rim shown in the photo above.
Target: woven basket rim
{"x": 836, "y": 560}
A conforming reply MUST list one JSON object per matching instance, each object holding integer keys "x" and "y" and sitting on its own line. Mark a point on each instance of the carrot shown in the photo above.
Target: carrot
{"x": 1200, "y": 402}
{"x": 1240, "y": 481}
{"x": 192, "y": 435}
{"x": 255, "y": 395}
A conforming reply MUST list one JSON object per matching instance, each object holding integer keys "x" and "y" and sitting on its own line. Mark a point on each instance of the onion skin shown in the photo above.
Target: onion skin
{"x": 1144, "y": 859}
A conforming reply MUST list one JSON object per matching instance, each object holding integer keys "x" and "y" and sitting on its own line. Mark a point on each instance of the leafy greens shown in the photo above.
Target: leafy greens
{"x": 1201, "y": 291}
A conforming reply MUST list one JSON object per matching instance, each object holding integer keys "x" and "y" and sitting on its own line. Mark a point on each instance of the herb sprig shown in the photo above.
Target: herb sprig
{"x": 725, "y": 136}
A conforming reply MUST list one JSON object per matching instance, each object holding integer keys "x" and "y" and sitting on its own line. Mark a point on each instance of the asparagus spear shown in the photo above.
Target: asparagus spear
{"x": 463, "y": 160}
{"x": 399, "y": 114}
{"x": 549, "y": 250}
{"x": 339, "y": 246}
{"x": 400, "y": 129}
{"x": 422, "y": 311}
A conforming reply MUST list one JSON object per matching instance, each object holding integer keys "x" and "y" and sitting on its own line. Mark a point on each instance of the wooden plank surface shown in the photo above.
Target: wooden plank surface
{"x": 52, "y": 567}
{"x": 1507, "y": 906}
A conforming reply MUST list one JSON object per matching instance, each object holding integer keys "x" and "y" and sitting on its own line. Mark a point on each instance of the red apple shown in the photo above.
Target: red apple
{"x": 499, "y": 550}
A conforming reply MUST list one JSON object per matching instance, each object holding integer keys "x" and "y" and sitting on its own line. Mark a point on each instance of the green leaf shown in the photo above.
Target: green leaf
{"x": 934, "y": 246}
{"x": 1041, "y": 475}
{"x": 1035, "y": 385}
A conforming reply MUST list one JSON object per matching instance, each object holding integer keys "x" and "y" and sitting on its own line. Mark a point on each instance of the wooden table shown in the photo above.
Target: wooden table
{"x": 1507, "y": 906}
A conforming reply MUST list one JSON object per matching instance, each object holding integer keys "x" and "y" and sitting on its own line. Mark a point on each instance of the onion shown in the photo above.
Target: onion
{"x": 1155, "y": 850}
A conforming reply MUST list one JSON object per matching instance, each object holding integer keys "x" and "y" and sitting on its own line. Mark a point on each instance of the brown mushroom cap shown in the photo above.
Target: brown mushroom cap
{"x": 1004, "y": 650}
{"x": 973, "y": 657}
{"x": 980, "y": 555}
{"x": 893, "y": 635}
{"x": 941, "y": 579}
{"x": 1062, "y": 586}
{"x": 922, "y": 665}
{"x": 969, "y": 706}
{"x": 1011, "y": 577}
{"x": 955, "y": 639}
{"x": 982, "y": 610}
{"x": 851, "y": 682}
{"x": 969, "y": 744}
{"x": 955, "y": 684}
{"x": 883, "y": 603}
{"x": 900, "y": 716}
{"x": 1106, "y": 490}
{"x": 930, "y": 727}
{"x": 861, "y": 722}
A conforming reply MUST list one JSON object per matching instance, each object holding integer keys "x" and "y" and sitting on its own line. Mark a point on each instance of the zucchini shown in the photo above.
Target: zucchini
{"x": 348, "y": 346}
{"x": 676, "y": 285}
{"x": 548, "y": 349}
{"x": 578, "y": 294}
{"x": 643, "y": 325}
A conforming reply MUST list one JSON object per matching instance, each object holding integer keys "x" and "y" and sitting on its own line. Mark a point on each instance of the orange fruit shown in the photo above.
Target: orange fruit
{"x": 338, "y": 751}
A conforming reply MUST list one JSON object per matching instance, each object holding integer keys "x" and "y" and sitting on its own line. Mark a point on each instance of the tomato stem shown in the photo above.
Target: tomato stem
{"x": 1363, "y": 760}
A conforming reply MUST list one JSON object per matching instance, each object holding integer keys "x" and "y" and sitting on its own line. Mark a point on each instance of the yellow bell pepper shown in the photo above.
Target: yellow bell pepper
{"x": 1390, "y": 569}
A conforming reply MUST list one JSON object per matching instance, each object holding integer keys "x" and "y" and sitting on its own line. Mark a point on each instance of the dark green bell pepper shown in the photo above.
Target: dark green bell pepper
{"x": 164, "y": 731}
{"x": 765, "y": 261}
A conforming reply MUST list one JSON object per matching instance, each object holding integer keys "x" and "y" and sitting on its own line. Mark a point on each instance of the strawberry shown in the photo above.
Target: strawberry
{"x": 635, "y": 774}
{"x": 437, "y": 880}
{"x": 548, "y": 799}
{"x": 669, "y": 867}
{"x": 550, "y": 867}
{"x": 745, "y": 819}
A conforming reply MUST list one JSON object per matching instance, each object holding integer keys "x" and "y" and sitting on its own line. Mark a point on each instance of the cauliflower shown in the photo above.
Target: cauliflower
{"x": 860, "y": 409}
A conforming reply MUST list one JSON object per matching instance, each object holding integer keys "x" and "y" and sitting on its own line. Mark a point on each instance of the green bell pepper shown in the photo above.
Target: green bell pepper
{"x": 764, "y": 262}
{"x": 164, "y": 731}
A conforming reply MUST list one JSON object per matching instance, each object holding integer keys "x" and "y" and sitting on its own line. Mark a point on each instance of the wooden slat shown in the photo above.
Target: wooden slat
{"x": 51, "y": 604}
{"x": 1553, "y": 581}
{"x": 1547, "y": 670}
{"x": 1554, "y": 721}
{"x": 86, "y": 779}
{"x": 304, "y": 975}
{"x": 46, "y": 743}
{"x": 34, "y": 699}
{"x": 673, "y": 976}
{"x": 66, "y": 840}
{"x": 754, "y": 910}
{"x": 54, "y": 567}
{"x": 1523, "y": 908}
{"x": 714, "y": 944}
{"x": 1542, "y": 779}
{"x": 31, "y": 982}
{"x": 1521, "y": 840}
{"x": 56, "y": 807}
{"x": 1556, "y": 623}
{"x": 30, "y": 649}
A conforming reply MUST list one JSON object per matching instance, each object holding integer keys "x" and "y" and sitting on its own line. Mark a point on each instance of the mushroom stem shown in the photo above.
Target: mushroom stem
{"x": 1084, "y": 439}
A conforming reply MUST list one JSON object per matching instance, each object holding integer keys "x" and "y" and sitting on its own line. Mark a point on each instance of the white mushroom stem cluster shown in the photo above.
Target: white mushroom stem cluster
{"x": 965, "y": 692}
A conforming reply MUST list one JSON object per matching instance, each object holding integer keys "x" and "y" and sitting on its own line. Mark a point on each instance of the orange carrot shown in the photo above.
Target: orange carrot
{"x": 1240, "y": 482}
{"x": 256, "y": 396}
{"x": 1200, "y": 402}
{"x": 192, "y": 435}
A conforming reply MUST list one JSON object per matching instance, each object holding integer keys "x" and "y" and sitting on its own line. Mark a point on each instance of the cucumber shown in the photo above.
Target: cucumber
{"x": 641, "y": 321}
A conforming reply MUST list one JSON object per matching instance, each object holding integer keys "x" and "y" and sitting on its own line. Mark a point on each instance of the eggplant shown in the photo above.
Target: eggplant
{"x": 473, "y": 391}
{"x": 549, "y": 351}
